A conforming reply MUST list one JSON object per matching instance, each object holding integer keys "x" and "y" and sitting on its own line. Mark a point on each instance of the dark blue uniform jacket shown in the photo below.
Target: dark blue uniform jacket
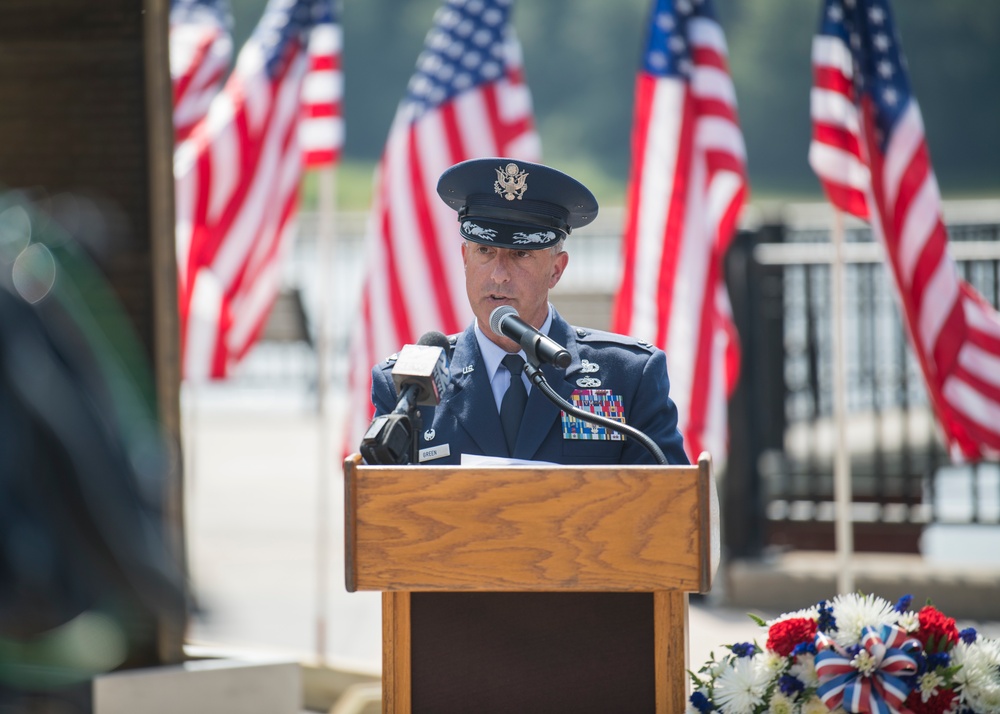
{"x": 467, "y": 420}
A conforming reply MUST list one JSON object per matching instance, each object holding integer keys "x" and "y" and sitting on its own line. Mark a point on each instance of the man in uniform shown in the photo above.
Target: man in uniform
{"x": 506, "y": 652}
{"x": 514, "y": 217}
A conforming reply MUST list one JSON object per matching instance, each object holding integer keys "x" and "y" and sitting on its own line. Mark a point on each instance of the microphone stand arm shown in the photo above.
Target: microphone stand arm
{"x": 407, "y": 408}
{"x": 538, "y": 379}
{"x": 393, "y": 438}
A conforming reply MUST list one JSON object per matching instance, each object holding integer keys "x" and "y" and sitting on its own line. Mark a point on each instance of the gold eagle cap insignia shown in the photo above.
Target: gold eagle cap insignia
{"x": 511, "y": 182}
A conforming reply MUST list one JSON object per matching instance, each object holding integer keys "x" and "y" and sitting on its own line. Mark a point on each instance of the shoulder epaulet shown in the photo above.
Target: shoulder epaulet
{"x": 586, "y": 334}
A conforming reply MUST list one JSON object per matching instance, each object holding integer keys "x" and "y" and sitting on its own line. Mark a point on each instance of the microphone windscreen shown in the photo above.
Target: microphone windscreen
{"x": 497, "y": 316}
{"x": 425, "y": 366}
{"x": 435, "y": 339}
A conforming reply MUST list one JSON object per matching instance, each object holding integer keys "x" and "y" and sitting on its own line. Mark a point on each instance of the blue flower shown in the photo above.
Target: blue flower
{"x": 968, "y": 635}
{"x": 903, "y": 604}
{"x": 700, "y": 702}
{"x": 744, "y": 649}
{"x": 790, "y": 686}
{"x": 827, "y": 622}
{"x": 938, "y": 659}
{"x": 804, "y": 648}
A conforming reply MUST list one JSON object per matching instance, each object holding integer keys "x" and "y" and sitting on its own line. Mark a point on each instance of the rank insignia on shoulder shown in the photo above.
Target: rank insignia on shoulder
{"x": 601, "y": 402}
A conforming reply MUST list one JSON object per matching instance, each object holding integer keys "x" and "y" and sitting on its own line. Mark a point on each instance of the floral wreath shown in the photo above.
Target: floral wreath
{"x": 855, "y": 653}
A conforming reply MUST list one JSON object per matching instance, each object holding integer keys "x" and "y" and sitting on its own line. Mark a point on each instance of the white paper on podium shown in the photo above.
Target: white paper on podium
{"x": 480, "y": 460}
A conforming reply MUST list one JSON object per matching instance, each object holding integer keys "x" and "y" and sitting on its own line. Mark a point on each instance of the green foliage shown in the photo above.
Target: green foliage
{"x": 353, "y": 185}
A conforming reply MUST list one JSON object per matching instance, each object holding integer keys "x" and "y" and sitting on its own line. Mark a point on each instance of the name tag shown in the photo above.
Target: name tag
{"x": 434, "y": 452}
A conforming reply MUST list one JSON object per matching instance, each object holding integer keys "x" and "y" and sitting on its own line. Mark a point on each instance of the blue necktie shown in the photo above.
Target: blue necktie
{"x": 514, "y": 399}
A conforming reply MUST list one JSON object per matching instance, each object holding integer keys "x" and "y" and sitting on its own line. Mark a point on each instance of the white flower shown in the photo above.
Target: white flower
{"x": 909, "y": 621}
{"x": 770, "y": 663}
{"x": 741, "y": 687}
{"x": 865, "y": 663}
{"x": 781, "y": 704}
{"x": 928, "y": 685}
{"x": 715, "y": 668}
{"x": 805, "y": 670}
{"x": 853, "y": 612}
{"x": 816, "y": 706}
{"x": 810, "y": 613}
{"x": 979, "y": 678}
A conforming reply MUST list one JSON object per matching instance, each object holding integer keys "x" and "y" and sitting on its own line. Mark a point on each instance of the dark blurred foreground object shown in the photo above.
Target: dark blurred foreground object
{"x": 86, "y": 569}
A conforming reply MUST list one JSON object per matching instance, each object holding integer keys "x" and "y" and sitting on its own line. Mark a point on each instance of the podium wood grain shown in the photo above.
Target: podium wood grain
{"x": 550, "y": 529}
{"x": 635, "y": 529}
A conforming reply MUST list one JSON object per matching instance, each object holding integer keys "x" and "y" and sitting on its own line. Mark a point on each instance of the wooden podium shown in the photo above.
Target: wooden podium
{"x": 526, "y": 529}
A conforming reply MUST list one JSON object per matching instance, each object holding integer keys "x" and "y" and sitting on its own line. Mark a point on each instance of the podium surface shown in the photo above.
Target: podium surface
{"x": 624, "y": 535}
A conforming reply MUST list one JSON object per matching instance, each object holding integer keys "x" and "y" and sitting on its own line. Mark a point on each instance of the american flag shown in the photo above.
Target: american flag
{"x": 236, "y": 185}
{"x": 870, "y": 153}
{"x": 466, "y": 99}
{"x": 321, "y": 133}
{"x": 201, "y": 47}
{"x": 686, "y": 188}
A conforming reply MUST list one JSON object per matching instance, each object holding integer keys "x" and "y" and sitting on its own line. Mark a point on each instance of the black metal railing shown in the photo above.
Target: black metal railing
{"x": 780, "y": 276}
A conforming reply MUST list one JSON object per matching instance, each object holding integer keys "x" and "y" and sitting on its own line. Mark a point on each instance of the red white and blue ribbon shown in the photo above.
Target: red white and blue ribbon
{"x": 873, "y": 680}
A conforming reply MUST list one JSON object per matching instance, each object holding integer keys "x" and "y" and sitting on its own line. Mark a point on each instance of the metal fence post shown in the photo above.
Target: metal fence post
{"x": 756, "y": 408}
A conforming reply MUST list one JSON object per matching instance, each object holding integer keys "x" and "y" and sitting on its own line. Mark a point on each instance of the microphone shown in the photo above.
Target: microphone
{"x": 421, "y": 372}
{"x": 539, "y": 348}
{"x": 420, "y": 376}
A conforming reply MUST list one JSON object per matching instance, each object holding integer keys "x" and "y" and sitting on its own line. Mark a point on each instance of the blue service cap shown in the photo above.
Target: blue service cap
{"x": 515, "y": 204}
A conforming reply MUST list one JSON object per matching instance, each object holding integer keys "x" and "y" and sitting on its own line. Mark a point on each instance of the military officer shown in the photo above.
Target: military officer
{"x": 514, "y": 217}
{"x": 575, "y": 652}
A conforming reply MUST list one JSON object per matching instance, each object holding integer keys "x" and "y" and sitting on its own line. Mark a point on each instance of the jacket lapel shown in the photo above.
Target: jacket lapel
{"x": 468, "y": 387}
{"x": 540, "y": 413}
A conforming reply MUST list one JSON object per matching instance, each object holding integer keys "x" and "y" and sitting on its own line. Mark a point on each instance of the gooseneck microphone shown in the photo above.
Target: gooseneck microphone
{"x": 538, "y": 347}
{"x": 541, "y": 348}
{"x": 420, "y": 375}
{"x": 538, "y": 379}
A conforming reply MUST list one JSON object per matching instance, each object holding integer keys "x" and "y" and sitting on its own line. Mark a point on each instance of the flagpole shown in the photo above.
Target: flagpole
{"x": 844, "y": 532}
{"x": 325, "y": 240}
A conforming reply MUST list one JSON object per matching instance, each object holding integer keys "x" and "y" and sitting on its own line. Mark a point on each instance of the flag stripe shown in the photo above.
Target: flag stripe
{"x": 687, "y": 185}
{"x": 201, "y": 48}
{"x": 954, "y": 333}
{"x": 473, "y": 104}
{"x": 237, "y": 175}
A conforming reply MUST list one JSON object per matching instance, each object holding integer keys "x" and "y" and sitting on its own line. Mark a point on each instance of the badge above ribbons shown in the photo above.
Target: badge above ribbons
{"x": 601, "y": 402}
